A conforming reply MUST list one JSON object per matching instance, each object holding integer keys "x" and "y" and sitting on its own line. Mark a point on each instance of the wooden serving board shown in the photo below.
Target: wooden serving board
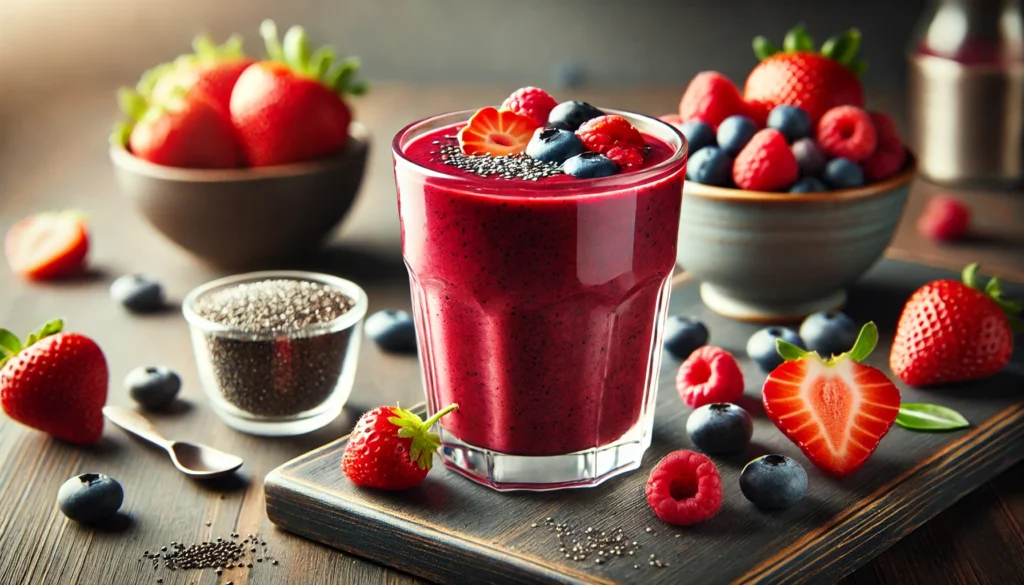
{"x": 450, "y": 530}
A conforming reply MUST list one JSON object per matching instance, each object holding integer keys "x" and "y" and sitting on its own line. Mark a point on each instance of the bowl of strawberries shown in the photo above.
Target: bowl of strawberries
{"x": 243, "y": 162}
{"x": 793, "y": 189}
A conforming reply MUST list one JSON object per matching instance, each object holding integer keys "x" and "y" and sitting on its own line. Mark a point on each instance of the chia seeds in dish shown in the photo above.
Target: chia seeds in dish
{"x": 293, "y": 371}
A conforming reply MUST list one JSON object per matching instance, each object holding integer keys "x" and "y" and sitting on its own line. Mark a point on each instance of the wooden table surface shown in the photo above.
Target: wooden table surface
{"x": 55, "y": 157}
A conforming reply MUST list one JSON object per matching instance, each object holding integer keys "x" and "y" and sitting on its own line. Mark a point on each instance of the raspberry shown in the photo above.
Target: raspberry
{"x": 885, "y": 162}
{"x": 885, "y": 128}
{"x": 614, "y": 137}
{"x": 847, "y": 132}
{"x": 766, "y": 163}
{"x": 945, "y": 218}
{"x": 709, "y": 375}
{"x": 711, "y": 97}
{"x": 684, "y": 488}
{"x": 532, "y": 102}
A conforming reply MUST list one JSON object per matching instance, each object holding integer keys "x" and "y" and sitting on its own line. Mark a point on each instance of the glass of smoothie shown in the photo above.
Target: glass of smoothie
{"x": 539, "y": 299}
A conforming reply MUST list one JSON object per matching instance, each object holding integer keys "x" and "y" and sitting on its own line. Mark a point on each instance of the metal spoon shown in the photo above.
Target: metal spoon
{"x": 194, "y": 460}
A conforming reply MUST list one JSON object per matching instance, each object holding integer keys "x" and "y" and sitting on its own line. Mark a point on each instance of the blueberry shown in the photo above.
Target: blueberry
{"x": 734, "y": 133}
{"x": 153, "y": 387}
{"x": 138, "y": 293}
{"x": 90, "y": 497}
{"x": 843, "y": 173}
{"x": 710, "y": 166}
{"x": 393, "y": 330}
{"x": 554, "y": 145}
{"x": 762, "y": 349}
{"x": 808, "y": 185}
{"x": 683, "y": 335}
{"x": 791, "y": 121}
{"x": 590, "y": 165}
{"x": 809, "y": 157}
{"x": 773, "y": 482}
{"x": 720, "y": 428}
{"x": 571, "y": 115}
{"x": 698, "y": 135}
{"x": 829, "y": 333}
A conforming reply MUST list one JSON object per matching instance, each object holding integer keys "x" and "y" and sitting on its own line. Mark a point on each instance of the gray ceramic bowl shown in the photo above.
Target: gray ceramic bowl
{"x": 245, "y": 218}
{"x": 775, "y": 257}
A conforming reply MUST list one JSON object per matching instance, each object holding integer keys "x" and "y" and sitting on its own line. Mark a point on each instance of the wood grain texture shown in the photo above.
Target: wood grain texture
{"x": 53, "y": 155}
{"x": 449, "y": 529}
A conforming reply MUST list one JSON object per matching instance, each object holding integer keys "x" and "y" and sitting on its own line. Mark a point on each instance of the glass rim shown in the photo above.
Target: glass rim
{"x": 588, "y": 186}
{"x": 341, "y": 322}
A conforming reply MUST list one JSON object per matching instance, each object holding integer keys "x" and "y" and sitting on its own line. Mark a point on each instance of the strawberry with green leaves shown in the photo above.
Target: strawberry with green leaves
{"x": 954, "y": 331}
{"x": 391, "y": 448}
{"x": 55, "y": 382}
{"x": 798, "y": 75}
{"x": 291, "y": 108}
{"x": 835, "y": 409}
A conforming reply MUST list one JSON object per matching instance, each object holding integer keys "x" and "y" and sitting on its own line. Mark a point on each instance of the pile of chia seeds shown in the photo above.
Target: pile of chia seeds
{"x": 603, "y": 546}
{"x": 513, "y": 166}
{"x": 290, "y": 374}
{"x": 222, "y": 555}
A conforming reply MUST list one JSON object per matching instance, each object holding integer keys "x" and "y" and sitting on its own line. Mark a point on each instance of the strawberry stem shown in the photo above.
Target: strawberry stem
{"x": 798, "y": 40}
{"x": 424, "y": 443}
{"x": 437, "y": 416}
{"x": 763, "y": 48}
{"x": 790, "y": 352}
{"x": 10, "y": 345}
{"x": 993, "y": 289}
{"x": 319, "y": 64}
{"x": 268, "y": 30}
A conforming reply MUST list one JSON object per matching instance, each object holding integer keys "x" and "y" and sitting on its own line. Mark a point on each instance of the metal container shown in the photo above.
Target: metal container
{"x": 966, "y": 92}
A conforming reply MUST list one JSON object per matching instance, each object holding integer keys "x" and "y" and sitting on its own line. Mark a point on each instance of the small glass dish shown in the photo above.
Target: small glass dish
{"x": 276, "y": 381}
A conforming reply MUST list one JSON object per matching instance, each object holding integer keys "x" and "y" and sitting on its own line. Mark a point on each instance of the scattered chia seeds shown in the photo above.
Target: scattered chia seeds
{"x": 220, "y": 555}
{"x": 513, "y": 166}
{"x": 578, "y": 545}
{"x": 290, "y": 374}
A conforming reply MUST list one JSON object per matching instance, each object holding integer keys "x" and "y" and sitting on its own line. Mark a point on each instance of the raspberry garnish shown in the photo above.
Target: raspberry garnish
{"x": 709, "y": 375}
{"x": 847, "y": 132}
{"x": 766, "y": 163}
{"x": 684, "y": 488}
{"x": 945, "y": 218}
{"x": 532, "y": 102}
{"x": 614, "y": 137}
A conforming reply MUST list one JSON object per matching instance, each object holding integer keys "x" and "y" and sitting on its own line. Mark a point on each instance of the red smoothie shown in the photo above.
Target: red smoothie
{"x": 538, "y": 303}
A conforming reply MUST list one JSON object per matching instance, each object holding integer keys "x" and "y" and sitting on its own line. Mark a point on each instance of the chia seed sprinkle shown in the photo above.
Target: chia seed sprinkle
{"x": 580, "y": 544}
{"x": 513, "y": 166}
{"x": 283, "y": 376}
{"x": 220, "y": 555}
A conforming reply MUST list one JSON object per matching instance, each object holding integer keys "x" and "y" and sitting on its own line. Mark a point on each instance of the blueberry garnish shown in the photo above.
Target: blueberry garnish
{"x": 571, "y": 115}
{"x": 720, "y": 428}
{"x": 683, "y": 335}
{"x": 393, "y": 330}
{"x": 791, "y": 121}
{"x": 90, "y": 497}
{"x": 734, "y": 133}
{"x": 590, "y": 165}
{"x": 710, "y": 166}
{"x": 554, "y": 145}
{"x": 773, "y": 482}
{"x": 829, "y": 333}
{"x": 138, "y": 293}
{"x": 761, "y": 346}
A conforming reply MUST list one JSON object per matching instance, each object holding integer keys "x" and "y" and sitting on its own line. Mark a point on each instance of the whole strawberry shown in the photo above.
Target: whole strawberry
{"x": 799, "y": 76}
{"x": 391, "y": 448}
{"x": 954, "y": 332}
{"x": 290, "y": 108}
{"x": 56, "y": 383}
{"x": 211, "y": 69}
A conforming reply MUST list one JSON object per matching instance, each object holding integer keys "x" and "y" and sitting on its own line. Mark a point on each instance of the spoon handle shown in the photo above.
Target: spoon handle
{"x": 134, "y": 423}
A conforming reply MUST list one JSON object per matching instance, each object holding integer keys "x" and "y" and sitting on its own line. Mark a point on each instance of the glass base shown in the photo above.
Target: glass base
{"x": 288, "y": 427}
{"x": 504, "y": 472}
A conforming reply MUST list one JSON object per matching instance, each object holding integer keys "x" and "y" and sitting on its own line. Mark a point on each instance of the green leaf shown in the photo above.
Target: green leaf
{"x": 859, "y": 67}
{"x": 320, "y": 62}
{"x": 789, "y": 351}
{"x": 121, "y": 133}
{"x": 970, "y": 275}
{"x": 4, "y": 360}
{"x": 132, "y": 102}
{"x": 919, "y": 416}
{"x": 843, "y": 48}
{"x": 406, "y": 432}
{"x": 341, "y": 76}
{"x": 358, "y": 88}
{"x": 9, "y": 343}
{"x": 763, "y": 48}
{"x": 51, "y": 327}
{"x": 866, "y": 342}
{"x": 268, "y": 30}
{"x": 296, "y": 49}
{"x": 797, "y": 40}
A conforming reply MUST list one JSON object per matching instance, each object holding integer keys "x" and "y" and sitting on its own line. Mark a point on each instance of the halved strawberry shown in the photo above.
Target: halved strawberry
{"x": 836, "y": 410}
{"x": 47, "y": 245}
{"x": 497, "y": 133}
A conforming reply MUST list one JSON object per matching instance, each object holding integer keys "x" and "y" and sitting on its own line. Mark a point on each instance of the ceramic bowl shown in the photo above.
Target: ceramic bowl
{"x": 246, "y": 218}
{"x": 777, "y": 257}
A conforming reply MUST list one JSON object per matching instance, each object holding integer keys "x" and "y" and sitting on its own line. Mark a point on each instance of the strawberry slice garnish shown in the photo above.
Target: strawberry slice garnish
{"x": 836, "y": 410}
{"x": 47, "y": 245}
{"x": 496, "y": 133}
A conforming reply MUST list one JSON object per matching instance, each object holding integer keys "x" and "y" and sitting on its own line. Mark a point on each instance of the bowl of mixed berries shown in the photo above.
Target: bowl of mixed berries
{"x": 793, "y": 189}
{"x": 242, "y": 161}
